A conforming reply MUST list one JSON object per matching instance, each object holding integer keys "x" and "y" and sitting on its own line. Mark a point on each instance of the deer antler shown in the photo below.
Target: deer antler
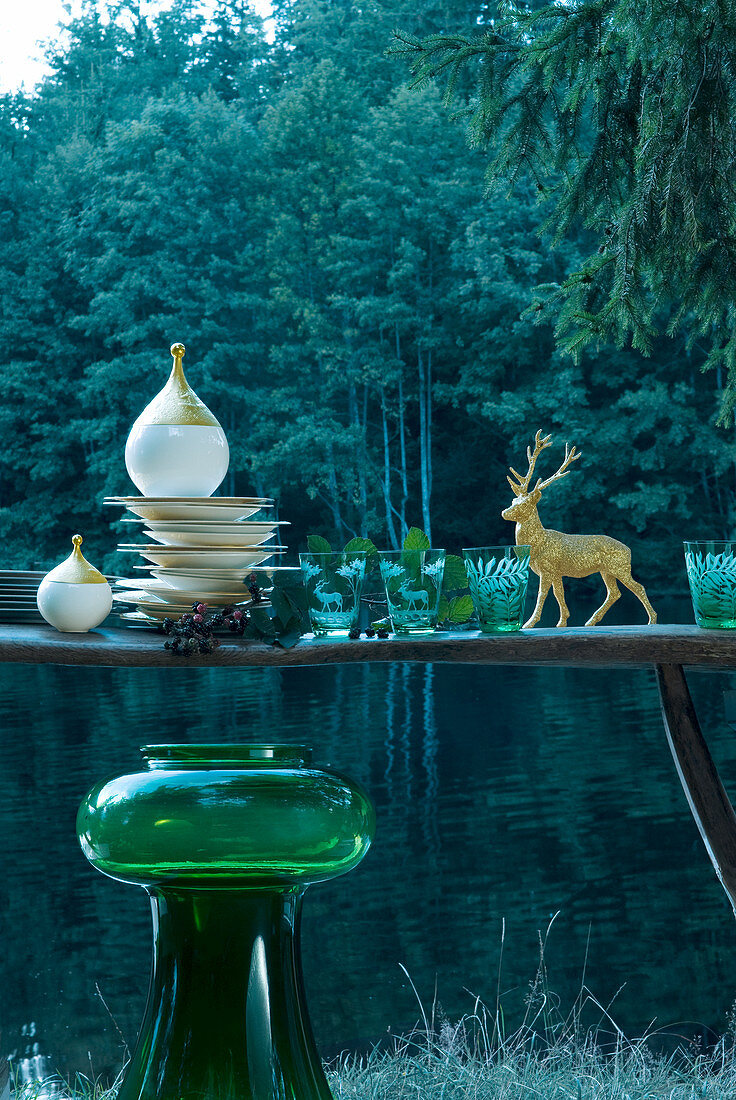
{"x": 571, "y": 455}
{"x": 540, "y": 443}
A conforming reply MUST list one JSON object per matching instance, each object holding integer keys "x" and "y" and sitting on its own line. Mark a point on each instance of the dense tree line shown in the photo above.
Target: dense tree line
{"x": 351, "y": 297}
{"x": 623, "y": 115}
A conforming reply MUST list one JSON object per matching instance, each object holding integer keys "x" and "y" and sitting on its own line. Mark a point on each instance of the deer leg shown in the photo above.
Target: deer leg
{"x": 613, "y": 593}
{"x": 640, "y": 593}
{"x": 559, "y": 590}
{"x": 536, "y": 615}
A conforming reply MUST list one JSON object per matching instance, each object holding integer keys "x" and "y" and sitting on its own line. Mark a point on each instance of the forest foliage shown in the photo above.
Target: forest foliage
{"x": 350, "y": 293}
{"x": 622, "y": 114}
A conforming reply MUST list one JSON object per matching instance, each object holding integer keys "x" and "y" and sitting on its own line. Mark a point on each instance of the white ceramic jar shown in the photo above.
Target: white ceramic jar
{"x": 74, "y": 597}
{"x": 177, "y": 448}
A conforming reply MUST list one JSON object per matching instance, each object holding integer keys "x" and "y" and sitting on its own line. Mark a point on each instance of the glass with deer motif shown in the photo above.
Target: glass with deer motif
{"x": 497, "y": 578}
{"x": 413, "y": 583}
{"x": 334, "y": 582}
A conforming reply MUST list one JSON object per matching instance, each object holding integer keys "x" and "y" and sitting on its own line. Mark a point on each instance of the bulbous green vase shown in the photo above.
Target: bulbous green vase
{"x": 226, "y": 839}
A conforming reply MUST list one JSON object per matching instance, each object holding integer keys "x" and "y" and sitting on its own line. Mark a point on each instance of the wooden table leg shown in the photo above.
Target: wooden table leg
{"x": 714, "y": 815}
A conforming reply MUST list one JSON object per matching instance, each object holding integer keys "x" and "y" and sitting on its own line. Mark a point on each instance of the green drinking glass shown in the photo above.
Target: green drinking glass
{"x": 225, "y": 839}
{"x": 711, "y": 574}
{"x": 413, "y": 583}
{"x": 498, "y": 577}
{"x": 334, "y": 582}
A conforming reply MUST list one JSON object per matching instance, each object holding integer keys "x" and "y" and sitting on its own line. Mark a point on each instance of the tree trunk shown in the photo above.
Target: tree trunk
{"x": 390, "y": 525}
{"x": 333, "y": 499}
{"x": 363, "y": 466}
{"x": 402, "y": 444}
{"x": 424, "y": 437}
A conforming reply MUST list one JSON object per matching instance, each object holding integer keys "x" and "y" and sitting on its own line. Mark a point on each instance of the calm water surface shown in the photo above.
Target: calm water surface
{"x": 503, "y": 795}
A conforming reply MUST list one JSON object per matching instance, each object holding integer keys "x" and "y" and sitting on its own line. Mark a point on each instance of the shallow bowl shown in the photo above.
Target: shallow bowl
{"x": 216, "y": 538}
{"x": 192, "y": 508}
{"x": 226, "y": 557}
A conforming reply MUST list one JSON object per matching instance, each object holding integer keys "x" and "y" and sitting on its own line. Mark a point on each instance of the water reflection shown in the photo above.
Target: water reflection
{"x": 502, "y": 794}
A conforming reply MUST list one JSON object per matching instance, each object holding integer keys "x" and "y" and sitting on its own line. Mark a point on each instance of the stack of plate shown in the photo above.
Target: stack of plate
{"x": 200, "y": 550}
{"x": 18, "y": 596}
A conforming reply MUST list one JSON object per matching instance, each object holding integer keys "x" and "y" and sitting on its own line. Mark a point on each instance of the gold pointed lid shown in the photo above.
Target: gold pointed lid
{"x": 177, "y": 403}
{"x": 76, "y": 569}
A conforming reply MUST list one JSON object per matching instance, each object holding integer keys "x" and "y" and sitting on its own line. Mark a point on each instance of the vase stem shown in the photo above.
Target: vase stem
{"x": 226, "y": 1017}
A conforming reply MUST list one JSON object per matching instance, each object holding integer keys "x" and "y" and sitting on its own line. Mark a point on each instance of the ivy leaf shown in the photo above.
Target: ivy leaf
{"x": 280, "y": 603}
{"x": 416, "y": 539}
{"x": 454, "y": 575}
{"x": 318, "y": 545}
{"x": 461, "y": 609}
{"x": 358, "y": 545}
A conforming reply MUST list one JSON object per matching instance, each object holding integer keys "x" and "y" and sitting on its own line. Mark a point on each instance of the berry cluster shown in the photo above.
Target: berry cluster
{"x": 256, "y": 594}
{"x": 194, "y": 632}
{"x": 381, "y": 632}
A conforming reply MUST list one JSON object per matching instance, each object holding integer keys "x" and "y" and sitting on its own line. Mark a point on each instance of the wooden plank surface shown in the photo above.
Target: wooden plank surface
{"x": 600, "y": 646}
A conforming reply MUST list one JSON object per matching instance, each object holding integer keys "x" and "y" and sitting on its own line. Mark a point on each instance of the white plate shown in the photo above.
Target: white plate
{"x": 261, "y": 572}
{"x": 181, "y": 581}
{"x": 208, "y": 539}
{"x": 212, "y": 510}
{"x": 217, "y": 526}
{"x": 152, "y": 607}
{"x": 210, "y": 534}
{"x": 209, "y": 507}
{"x": 225, "y": 581}
{"x": 225, "y": 557}
{"x": 188, "y": 500}
{"x": 225, "y": 592}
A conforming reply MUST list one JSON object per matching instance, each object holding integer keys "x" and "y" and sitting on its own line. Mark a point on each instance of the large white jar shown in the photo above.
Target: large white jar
{"x": 177, "y": 448}
{"x": 74, "y": 596}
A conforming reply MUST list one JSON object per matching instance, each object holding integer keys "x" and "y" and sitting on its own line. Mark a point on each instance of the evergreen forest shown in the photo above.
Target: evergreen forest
{"x": 351, "y": 290}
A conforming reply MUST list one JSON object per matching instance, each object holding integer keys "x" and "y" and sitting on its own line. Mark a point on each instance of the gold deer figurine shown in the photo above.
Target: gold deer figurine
{"x": 555, "y": 555}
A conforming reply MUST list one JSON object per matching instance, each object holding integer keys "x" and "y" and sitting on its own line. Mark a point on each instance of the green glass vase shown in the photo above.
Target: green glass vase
{"x": 225, "y": 839}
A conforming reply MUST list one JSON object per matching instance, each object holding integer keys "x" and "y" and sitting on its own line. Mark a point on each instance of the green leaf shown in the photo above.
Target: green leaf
{"x": 287, "y": 640}
{"x": 358, "y": 545}
{"x": 461, "y": 609}
{"x": 280, "y": 603}
{"x": 284, "y": 579}
{"x": 318, "y": 545}
{"x": 444, "y": 609}
{"x": 416, "y": 539}
{"x": 454, "y": 575}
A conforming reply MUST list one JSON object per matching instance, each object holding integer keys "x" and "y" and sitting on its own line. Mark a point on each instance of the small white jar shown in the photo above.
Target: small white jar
{"x": 177, "y": 448}
{"x": 74, "y": 597}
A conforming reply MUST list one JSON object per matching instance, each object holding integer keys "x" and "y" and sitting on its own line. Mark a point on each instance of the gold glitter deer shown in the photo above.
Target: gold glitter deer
{"x": 555, "y": 555}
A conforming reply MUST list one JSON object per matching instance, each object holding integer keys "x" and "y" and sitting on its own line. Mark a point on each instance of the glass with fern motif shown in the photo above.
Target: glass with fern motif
{"x": 497, "y": 578}
{"x": 711, "y": 574}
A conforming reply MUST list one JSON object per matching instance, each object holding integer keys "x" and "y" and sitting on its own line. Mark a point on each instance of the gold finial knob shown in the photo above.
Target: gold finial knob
{"x": 177, "y": 350}
{"x": 77, "y": 540}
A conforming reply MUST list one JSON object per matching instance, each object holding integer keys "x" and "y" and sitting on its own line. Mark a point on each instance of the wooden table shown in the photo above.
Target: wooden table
{"x": 666, "y": 649}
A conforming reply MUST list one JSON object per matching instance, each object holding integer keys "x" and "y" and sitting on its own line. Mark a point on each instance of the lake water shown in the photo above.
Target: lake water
{"x": 504, "y": 796}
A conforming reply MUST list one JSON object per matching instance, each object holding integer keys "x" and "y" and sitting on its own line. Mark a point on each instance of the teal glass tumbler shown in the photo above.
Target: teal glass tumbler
{"x": 334, "y": 583}
{"x": 413, "y": 583}
{"x": 711, "y": 574}
{"x": 225, "y": 840}
{"x": 498, "y": 577}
